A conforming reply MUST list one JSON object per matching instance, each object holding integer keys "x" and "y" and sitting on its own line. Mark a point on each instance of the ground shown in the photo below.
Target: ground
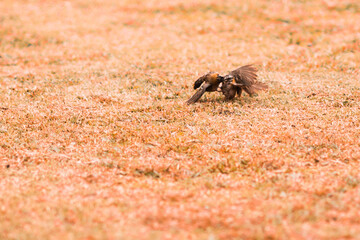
{"x": 97, "y": 143}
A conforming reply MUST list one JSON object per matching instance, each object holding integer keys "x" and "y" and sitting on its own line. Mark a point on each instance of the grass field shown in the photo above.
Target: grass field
{"x": 97, "y": 143}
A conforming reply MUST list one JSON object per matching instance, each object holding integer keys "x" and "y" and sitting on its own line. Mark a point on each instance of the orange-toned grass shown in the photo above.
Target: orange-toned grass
{"x": 96, "y": 142}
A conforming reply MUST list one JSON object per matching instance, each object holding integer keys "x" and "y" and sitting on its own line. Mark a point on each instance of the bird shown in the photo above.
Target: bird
{"x": 242, "y": 78}
{"x": 207, "y": 83}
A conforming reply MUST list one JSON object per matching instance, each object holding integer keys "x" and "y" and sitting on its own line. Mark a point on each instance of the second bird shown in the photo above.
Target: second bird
{"x": 243, "y": 78}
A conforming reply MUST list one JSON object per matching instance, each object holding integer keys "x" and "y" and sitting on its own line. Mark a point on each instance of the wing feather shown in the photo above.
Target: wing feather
{"x": 258, "y": 86}
{"x": 245, "y": 75}
{"x": 198, "y": 94}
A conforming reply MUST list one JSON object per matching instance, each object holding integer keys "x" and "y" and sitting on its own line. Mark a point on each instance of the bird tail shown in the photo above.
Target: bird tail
{"x": 258, "y": 86}
{"x": 196, "y": 96}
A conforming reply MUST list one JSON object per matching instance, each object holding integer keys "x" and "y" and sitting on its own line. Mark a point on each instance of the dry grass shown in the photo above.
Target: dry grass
{"x": 96, "y": 143}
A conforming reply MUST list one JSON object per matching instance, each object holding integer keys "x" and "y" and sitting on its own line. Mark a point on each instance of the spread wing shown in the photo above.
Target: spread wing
{"x": 258, "y": 86}
{"x": 245, "y": 75}
{"x": 198, "y": 94}
{"x": 200, "y": 80}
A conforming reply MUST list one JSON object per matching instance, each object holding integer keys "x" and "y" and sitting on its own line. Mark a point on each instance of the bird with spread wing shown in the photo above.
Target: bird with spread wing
{"x": 242, "y": 78}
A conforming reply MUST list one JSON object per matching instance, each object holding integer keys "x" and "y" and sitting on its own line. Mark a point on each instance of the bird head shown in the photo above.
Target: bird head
{"x": 214, "y": 78}
{"x": 228, "y": 78}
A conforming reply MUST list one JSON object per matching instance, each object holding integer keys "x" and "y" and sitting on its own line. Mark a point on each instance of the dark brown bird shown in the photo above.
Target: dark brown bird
{"x": 243, "y": 78}
{"x": 208, "y": 83}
